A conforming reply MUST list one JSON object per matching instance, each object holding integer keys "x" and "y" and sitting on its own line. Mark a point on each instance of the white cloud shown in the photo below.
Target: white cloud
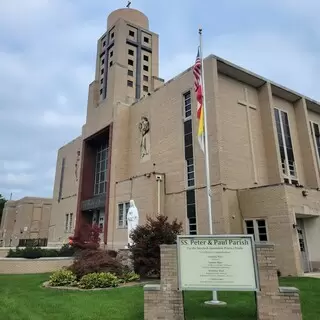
{"x": 52, "y": 118}
{"x": 17, "y": 165}
{"x": 17, "y": 179}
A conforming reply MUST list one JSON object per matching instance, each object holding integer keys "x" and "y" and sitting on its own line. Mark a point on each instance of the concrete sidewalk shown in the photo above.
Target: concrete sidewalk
{"x": 312, "y": 275}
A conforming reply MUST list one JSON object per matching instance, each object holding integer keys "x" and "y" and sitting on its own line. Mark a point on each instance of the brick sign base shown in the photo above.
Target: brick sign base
{"x": 164, "y": 301}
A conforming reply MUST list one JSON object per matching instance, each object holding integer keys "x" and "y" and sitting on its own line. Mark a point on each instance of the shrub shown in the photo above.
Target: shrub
{"x": 32, "y": 253}
{"x": 17, "y": 253}
{"x": 98, "y": 280}
{"x": 62, "y": 278}
{"x": 147, "y": 240}
{"x": 129, "y": 277}
{"x": 112, "y": 253}
{"x": 36, "y": 252}
{"x": 67, "y": 251}
{"x": 87, "y": 237}
{"x": 91, "y": 261}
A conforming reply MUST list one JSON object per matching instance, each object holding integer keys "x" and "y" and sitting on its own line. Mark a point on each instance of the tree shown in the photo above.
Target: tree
{"x": 2, "y": 203}
{"x": 147, "y": 240}
{"x": 88, "y": 237}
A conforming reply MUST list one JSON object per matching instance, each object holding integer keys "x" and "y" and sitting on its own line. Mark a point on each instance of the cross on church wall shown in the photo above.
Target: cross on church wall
{"x": 249, "y": 106}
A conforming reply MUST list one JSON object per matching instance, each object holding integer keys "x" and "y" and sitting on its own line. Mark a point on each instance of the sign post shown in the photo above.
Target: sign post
{"x": 217, "y": 262}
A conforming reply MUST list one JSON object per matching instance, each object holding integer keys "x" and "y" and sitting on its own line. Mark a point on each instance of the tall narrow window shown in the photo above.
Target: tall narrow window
{"x": 190, "y": 172}
{"x": 315, "y": 131}
{"x": 188, "y": 153}
{"x": 191, "y": 211}
{"x": 100, "y": 184}
{"x": 187, "y": 104}
{"x": 70, "y": 222}
{"x": 285, "y": 146}
{"x": 66, "y": 226}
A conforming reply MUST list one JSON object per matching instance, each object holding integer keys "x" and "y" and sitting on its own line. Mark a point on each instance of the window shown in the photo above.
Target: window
{"x": 145, "y": 58}
{"x": 187, "y": 104}
{"x": 111, "y": 54}
{"x": 258, "y": 228}
{"x": 188, "y": 139}
{"x": 111, "y": 63}
{"x": 122, "y": 214}
{"x": 112, "y": 35}
{"x": 146, "y": 39}
{"x": 145, "y": 78}
{"x": 130, "y": 83}
{"x": 70, "y": 222}
{"x": 66, "y": 223}
{"x": 102, "y": 62}
{"x": 130, "y": 62}
{"x": 191, "y": 211}
{"x": 102, "y": 71}
{"x": 100, "y": 183}
{"x": 130, "y": 73}
{"x": 131, "y": 33}
{"x": 315, "y": 131}
{"x": 101, "y": 91}
{"x": 145, "y": 68}
{"x": 190, "y": 172}
{"x": 104, "y": 43}
{"x": 145, "y": 88}
{"x": 285, "y": 146}
{"x": 130, "y": 52}
{"x": 101, "y": 81}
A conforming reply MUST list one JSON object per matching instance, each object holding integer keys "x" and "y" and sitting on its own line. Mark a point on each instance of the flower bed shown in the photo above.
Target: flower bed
{"x": 66, "y": 279}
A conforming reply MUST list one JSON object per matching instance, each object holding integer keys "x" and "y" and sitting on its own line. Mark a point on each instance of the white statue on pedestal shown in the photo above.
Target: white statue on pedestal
{"x": 132, "y": 219}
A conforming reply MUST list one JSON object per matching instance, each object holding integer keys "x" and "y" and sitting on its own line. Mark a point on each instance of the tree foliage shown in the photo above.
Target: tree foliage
{"x": 87, "y": 237}
{"x": 147, "y": 240}
{"x": 90, "y": 261}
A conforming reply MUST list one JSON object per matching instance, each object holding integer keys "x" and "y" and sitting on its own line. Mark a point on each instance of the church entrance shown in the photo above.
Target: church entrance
{"x": 303, "y": 246}
{"x": 98, "y": 218}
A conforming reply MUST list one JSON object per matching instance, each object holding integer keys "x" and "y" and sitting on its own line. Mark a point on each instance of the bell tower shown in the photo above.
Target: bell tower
{"x": 127, "y": 65}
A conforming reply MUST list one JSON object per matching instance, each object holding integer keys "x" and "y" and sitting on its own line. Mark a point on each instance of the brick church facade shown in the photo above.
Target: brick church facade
{"x": 139, "y": 142}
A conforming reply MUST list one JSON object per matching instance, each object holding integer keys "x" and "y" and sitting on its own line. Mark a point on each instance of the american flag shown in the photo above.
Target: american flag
{"x": 197, "y": 70}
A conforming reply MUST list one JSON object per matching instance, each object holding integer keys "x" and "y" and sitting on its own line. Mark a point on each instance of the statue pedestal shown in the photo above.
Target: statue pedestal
{"x": 124, "y": 257}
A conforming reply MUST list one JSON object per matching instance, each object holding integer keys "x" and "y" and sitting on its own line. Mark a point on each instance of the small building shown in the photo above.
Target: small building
{"x": 139, "y": 142}
{"x": 25, "y": 222}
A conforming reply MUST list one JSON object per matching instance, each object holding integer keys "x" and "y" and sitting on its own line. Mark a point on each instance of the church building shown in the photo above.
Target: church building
{"x": 140, "y": 142}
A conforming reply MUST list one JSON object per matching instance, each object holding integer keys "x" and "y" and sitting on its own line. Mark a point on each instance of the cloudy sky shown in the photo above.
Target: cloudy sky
{"x": 47, "y": 59}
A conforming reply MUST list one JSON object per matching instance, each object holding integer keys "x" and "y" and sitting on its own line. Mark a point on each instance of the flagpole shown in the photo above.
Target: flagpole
{"x": 214, "y": 300}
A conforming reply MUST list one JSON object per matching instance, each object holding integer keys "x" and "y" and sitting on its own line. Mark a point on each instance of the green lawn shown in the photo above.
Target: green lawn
{"x": 22, "y": 298}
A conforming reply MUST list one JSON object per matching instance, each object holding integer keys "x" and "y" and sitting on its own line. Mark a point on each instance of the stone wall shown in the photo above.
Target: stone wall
{"x": 25, "y": 266}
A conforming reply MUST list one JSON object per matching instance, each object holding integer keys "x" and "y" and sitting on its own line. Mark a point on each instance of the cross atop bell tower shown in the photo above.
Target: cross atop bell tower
{"x": 127, "y": 59}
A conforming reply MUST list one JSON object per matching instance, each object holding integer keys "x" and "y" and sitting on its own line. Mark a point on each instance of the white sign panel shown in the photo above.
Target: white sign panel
{"x": 221, "y": 263}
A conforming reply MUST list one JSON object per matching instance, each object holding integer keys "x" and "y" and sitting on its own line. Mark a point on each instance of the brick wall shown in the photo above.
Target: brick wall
{"x": 25, "y": 266}
{"x": 274, "y": 303}
{"x": 164, "y": 301}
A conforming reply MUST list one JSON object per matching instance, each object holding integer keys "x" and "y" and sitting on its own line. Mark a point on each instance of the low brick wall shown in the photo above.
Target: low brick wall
{"x": 3, "y": 252}
{"x": 25, "y": 266}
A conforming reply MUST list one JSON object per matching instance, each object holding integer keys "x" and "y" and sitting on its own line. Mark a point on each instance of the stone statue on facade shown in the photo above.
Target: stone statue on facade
{"x": 76, "y": 166}
{"x": 132, "y": 220}
{"x": 144, "y": 128}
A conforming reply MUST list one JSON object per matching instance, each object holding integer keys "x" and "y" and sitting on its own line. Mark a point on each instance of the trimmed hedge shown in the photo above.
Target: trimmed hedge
{"x": 36, "y": 252}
